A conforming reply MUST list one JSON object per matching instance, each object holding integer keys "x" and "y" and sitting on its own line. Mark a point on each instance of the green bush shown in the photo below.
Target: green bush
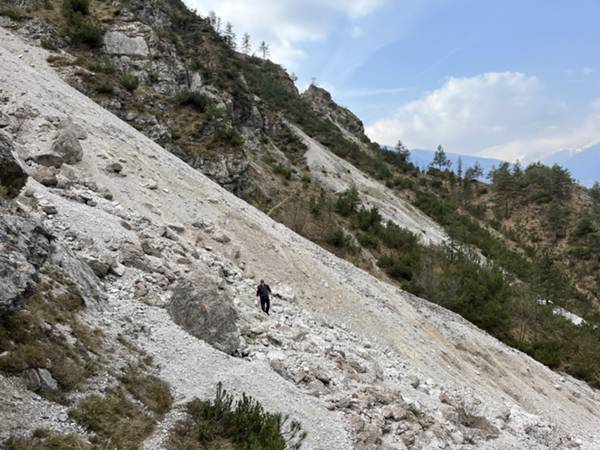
{"x": 242, "y": 423}
{"x": 130, "y": 82}
{"x": 71, "y": 7}
{"x": 104, "y": 87}
{"x": 85, "y": 31}
{"x": 193, "y": 99}
{"x": 338, "y": 238}
{"x": 282, "y": 170}
{"x": 347, "y": 202}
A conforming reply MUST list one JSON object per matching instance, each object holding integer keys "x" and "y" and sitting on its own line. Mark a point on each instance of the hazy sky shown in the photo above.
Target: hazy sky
{"x": 510, "y": 79}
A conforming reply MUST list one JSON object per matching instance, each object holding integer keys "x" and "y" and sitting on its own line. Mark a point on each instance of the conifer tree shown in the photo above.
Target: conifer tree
{"x": 246, "y": 44}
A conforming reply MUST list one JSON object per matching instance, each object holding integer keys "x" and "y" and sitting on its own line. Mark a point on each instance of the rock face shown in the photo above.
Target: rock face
{"x": 322, "y": 102}
{"x": 12, "y": 175}
{"x": 118, "y": 43}
{"x": 206, "y": 311}
{"x": 24, "y": 248}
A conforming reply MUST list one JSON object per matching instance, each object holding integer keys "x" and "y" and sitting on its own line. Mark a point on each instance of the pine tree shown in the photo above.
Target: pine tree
{"x": 212, "y": 19}
{"x": 402, "y": 152}
{"x": 440, "y": 159}
{"x": 459, "y": 170}
{"x": 246, "y": 44}
{"x": 474, "y": 172}
{"x": 264, "y": 49}
{"x": 230, "y": 36}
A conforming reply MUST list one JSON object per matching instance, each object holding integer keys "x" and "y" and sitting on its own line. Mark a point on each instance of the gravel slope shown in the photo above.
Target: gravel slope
{"x": 404, "y": 337}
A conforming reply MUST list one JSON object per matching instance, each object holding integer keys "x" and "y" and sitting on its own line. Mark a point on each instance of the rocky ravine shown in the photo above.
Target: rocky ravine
{"x": 359, "y": 362}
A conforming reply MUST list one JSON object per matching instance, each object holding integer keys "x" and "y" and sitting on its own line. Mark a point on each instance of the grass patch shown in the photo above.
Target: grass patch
{"x": 116, "y": 421}
{"x": 148, "y": 389}
{"x": 241, "y": 424}
{"x": 43, "y": 439}
{"x": 13, "y": 12}
{"x": 35, "y": 338}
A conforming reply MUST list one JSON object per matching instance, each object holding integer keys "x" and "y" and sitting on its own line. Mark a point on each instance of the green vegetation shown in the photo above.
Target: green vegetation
{"x": 148, "y": 389}
{"x": 228, "y": 423}
{"x": 130, "y": 82}
{"x": 195, "y": 100}
{"x": 12, "y": 12}
{"x": 31, "y": 338}
{"x": 43, "y": 439}
{"x": 81, "y": 27}
{"x": 115, "y": 420}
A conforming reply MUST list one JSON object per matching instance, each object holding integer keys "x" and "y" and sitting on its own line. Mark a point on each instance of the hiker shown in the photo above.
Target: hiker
{"x": 262, "y": 294}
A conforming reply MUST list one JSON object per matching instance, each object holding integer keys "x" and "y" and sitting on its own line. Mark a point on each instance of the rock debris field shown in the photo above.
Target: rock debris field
{"x": 360, "y": 363}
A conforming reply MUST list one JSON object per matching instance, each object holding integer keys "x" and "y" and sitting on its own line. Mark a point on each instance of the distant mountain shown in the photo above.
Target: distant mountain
{"x": 422, "y": 159}
{"x": 584, "y": 164}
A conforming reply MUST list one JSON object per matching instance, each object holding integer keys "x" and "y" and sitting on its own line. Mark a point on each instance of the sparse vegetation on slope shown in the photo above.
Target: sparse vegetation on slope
{"x": 229, "y": 423}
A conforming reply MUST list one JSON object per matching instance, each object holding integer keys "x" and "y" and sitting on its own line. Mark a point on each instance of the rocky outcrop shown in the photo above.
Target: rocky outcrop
{"x": 12, "y": 175}
{"x": 119, "y": 43}
{"x": 204, "y": 308}
{"x": 322, "y": 102}
{"x": 24, "y": 248}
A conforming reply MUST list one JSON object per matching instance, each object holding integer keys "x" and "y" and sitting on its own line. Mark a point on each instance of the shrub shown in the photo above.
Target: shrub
{"x": 84, "y": 31}
{"x": 71, "y": 7}
{"x": 347, "y": 202}
{"x": 104, "y": 87}
{"x": 338, "y": 238}
{"x": 242, "y": 424}
{"x": 229, "y": 136}
{"x": 282, "y": 170}
{"x": 130, "y": 82}
{"x": 193, "y": 99}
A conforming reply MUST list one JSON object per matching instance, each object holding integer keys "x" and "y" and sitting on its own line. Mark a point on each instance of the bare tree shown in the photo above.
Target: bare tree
{"x": 212, "y": 19}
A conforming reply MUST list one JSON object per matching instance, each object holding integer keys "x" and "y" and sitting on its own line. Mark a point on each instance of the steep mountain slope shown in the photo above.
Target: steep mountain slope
{"x": 397, "y": 371}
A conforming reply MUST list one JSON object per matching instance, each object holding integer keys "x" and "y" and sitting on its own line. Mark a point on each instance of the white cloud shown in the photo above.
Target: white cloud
{"x": 286, "y": 24}
{"x": 500, "y": 114}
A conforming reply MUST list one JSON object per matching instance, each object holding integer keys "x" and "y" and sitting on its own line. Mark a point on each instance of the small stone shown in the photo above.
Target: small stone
{"x": 114, "y": 167}
{"x": 49, "y": 209}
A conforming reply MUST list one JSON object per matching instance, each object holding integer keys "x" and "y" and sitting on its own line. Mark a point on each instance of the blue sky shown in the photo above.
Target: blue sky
{"x": 509, "y": 79}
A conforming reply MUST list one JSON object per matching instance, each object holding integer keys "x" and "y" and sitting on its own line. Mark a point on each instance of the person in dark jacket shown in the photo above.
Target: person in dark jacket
{"x": 262, "y": 294}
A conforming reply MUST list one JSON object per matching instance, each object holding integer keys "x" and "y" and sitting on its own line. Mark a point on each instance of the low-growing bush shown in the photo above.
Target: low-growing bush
{"x": 148, "y": 389}
{"x": 71, "y": 7}
{"x": 193, "y": 99}
{"x": 241, "y": 424}
{"x": 43, "y": 439}
{"x": 130, "y": 82}
{"x": 12, "y": 12}
{"x": 85, "y": 31}
{"x": 116, "y": 421}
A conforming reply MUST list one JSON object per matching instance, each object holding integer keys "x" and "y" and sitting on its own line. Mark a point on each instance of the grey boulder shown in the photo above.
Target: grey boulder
{"x": 12, "y": 175}
{"x": 202, "y": 307}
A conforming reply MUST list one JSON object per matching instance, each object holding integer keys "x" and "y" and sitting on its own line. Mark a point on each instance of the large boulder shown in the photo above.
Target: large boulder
{"x": 118, "y": 43}
{"x": 12, "y": 175}
{"x": 65, "y": 149}
{"x": 204, "y": 308}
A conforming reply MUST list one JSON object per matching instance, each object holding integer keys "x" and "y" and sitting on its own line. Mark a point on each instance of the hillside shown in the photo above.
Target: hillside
{"x": 136, "y": 206}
